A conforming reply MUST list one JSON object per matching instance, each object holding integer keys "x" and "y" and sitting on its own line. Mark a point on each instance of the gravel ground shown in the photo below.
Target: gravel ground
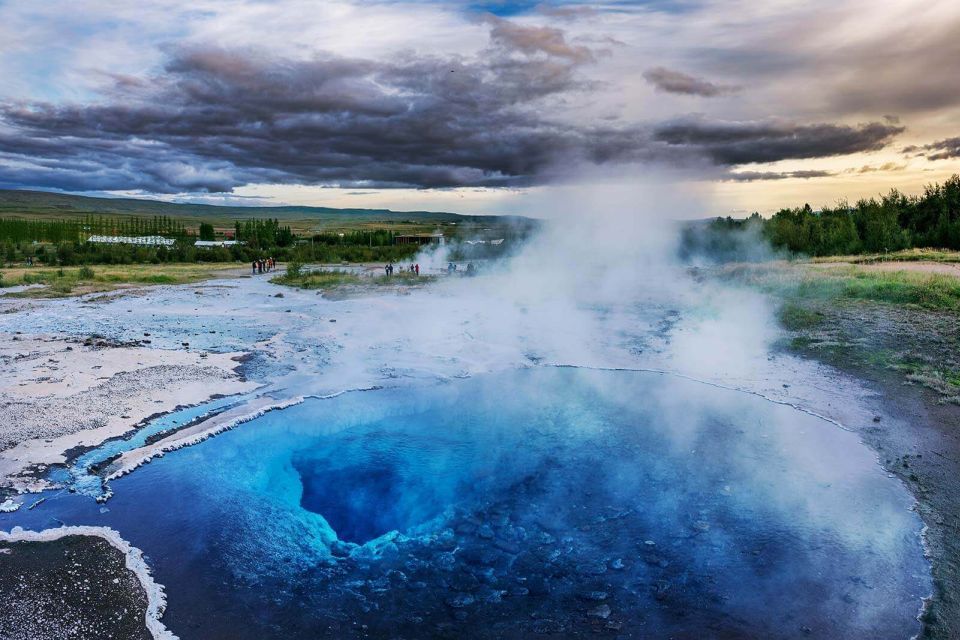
{"x": 75, "y": 588}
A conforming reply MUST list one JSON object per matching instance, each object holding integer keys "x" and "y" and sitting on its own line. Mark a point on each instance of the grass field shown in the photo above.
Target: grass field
{"x": 851, "y": 312}
{"x": 80, "y": 280}
{"x": 907, "y": 255}
{"x": 813, "y": 280}
{"x": 328, "y": 279}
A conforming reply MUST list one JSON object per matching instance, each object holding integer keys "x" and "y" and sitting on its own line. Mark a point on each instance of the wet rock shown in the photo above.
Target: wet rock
{"x": 545, "y": 538}
{"x": 279, "y": 295}
{"x": 446, "y": 561}
{"x": 397, "y": 577}
{"x": 473, "y": 556}
{"x": 446, "y": 540}
{"x": 507, "y": 546}
{"x": 464, "y": 581}
{"x": 538, "y": 585}
{"x": 341, "y": 549}
{"x": 494, "y": 596}
{"x": 660, "y": 590}
{"x": 597, "y": 568}
{"x": 617, "y": 564}
{"x": 602, "y": 612}
{"x": 547, "y": 625}
{"x": 485, "y": 532}
{"x": 460, "y": 600}
{"x": 594, "y": 596}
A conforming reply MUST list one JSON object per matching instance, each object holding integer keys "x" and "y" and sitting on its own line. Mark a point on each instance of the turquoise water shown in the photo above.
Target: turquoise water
{"x": 559, "y": 502}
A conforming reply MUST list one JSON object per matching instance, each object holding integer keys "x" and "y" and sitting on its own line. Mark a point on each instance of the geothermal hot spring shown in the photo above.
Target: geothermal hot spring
{"x": 525, "y": 501}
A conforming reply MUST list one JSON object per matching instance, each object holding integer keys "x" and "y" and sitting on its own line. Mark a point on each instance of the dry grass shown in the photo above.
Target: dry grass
{"x": 805, "y": 280}
{"x": 907, "y": 255}
{"x": 70, "y": 281}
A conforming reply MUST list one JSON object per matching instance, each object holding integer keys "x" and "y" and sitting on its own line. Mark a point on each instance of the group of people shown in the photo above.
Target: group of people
{"x": 389, "y": 268}
{"x": 263, "y": 265}
{"x": 452, "y": 269}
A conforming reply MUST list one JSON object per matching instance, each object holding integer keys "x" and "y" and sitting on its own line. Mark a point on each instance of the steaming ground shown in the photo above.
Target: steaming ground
{"x": 637, "y": 314}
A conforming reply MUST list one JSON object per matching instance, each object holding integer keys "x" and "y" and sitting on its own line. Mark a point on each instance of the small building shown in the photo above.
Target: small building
{"x": 420, "y": 238}
{"x": 146, "y": 241}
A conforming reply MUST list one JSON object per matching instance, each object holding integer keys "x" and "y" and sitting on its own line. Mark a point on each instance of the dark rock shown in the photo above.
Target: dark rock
{"x": 460, "y": 600}
{"x": 507, "y": 546}
{"x": 602, "y": 612}
{"x": 546, "y": 625}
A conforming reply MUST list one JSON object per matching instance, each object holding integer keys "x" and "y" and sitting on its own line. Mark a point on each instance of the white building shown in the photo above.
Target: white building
{"x": 216, "y": 243}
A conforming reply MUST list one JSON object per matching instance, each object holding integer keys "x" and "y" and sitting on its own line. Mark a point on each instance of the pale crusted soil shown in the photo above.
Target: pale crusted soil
{"x": 55, "y": 416}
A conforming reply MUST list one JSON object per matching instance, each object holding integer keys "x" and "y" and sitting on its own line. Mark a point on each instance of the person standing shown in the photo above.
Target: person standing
{"x": 416, "y": 268}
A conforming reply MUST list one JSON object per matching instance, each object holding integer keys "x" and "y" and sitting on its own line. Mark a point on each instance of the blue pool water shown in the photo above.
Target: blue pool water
{"x": 554, "y": 502}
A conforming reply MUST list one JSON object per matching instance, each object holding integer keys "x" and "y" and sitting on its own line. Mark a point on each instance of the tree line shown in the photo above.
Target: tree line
{"x": 18, "y": 230}
{"x": 891, "y": 222}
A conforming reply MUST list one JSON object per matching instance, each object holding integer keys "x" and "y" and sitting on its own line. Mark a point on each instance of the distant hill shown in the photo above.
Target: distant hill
{"x": 43, "y": 204}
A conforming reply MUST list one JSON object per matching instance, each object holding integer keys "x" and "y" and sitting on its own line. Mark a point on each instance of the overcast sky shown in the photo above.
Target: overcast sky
{"x": 479, "y": 107}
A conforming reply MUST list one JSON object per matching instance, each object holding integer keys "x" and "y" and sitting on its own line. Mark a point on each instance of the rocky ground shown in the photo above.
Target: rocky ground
{"x": 910, "y": 356}
{"x": 76, "y": 588}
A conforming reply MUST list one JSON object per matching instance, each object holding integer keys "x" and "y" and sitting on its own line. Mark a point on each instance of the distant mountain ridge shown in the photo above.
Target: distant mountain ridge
{"x": 16, "y": 202}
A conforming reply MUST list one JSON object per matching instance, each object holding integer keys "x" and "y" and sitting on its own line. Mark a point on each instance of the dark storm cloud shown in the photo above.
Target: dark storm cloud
{"x": 733, "y": 143}
{"x": 754, "y": 176}
{"x": 217, "y": 119}
{"x": 939, "y": 150}
{"x": 243, "y": 116}
{"x": 671, "y": 81}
